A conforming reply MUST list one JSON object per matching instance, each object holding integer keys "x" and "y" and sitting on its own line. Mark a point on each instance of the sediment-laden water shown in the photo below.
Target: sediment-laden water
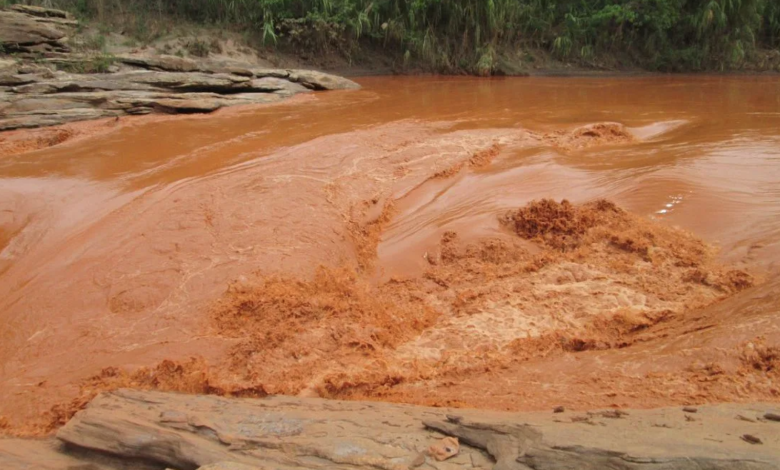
{"x": 383, "y": 244}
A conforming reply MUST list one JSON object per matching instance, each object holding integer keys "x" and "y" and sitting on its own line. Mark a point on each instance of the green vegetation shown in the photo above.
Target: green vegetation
{"x": 94, "y": 42}
{"x": 471, "y": 35}
{"x": 100, "y": 63}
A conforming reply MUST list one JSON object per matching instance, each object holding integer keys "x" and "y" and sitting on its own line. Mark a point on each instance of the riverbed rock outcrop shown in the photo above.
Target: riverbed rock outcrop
{"x": 43, "y": 83}
{"x": 156, "y": 430}
{"x": 28, "y": 29}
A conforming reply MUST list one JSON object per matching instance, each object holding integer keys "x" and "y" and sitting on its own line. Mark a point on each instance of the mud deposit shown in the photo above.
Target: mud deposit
{"x": 503, "y": 244}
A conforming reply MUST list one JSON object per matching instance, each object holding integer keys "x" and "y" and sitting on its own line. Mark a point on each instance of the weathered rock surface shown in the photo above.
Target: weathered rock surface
{"x": 183, "y": 432}
{"x": 228, "y": 466}
{"x": 50, "y": 454}
{"x": 164, "y": 63}
{"x": 34, "y": 454}
{"x": 8, "y": 66}
{"x": 38, "y": 110}
{"x": 32, "y": 29}
{"x": 519, "y": 447}
{"x": 32, "y": 95}
{"x": 321, "y": 81}
{"x": 311, "y": 79}
{"x": 35, "y": 100}
{"x": 40, "y": 11}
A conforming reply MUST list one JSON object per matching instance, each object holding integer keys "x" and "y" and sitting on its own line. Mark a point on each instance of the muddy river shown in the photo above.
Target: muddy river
{"x": 382, "y": 244}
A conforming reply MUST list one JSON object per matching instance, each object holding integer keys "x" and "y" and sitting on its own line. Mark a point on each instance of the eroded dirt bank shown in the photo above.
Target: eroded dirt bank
{"x": 396, "y": 254}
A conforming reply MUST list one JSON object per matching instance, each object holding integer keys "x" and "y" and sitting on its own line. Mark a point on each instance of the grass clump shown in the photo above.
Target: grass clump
{"x": 100, "y": 63}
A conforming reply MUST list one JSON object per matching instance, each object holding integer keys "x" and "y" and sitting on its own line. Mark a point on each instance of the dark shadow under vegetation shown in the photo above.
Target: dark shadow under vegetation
{"x": 474, "y": 36}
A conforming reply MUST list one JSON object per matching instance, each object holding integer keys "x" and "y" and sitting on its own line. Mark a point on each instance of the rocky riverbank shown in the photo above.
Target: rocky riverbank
{"x": 152, "y": 430}
{"x": 42, "y": 81}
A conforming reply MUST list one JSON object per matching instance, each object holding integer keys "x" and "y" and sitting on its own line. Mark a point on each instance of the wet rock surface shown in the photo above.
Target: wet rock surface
{"x": 37, "y": 95}
{"x": 138, "y": 429}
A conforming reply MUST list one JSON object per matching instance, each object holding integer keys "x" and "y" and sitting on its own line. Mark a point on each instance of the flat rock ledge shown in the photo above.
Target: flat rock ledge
{"x": 36, "y": 89}
{"x": 154, "y": 430}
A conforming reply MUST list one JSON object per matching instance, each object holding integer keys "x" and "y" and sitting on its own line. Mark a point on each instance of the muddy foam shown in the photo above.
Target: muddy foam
{"x": 571, "y": 278}
{"x": 592, "y": 135}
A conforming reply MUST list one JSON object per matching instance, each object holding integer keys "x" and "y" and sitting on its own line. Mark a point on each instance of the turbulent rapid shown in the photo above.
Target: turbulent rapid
{"x": 508, "y": 243}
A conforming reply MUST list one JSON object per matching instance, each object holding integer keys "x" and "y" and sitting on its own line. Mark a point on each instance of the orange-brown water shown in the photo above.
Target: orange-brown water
{"x": 361, "y": 245}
